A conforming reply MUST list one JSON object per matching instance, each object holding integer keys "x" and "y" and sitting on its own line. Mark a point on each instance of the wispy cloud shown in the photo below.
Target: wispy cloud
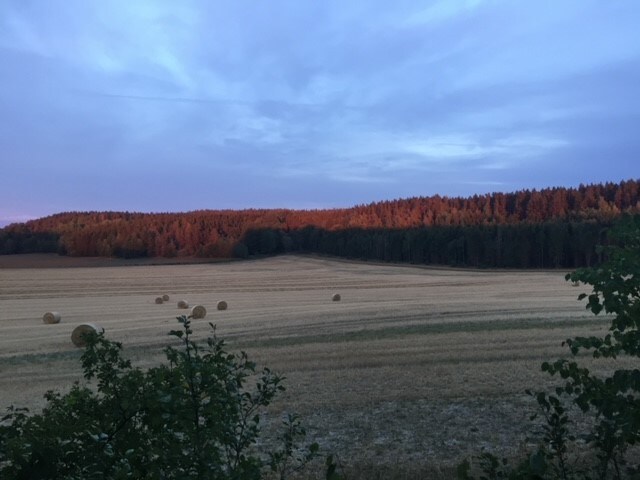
{"x": 332, "y": 102}
{"x": 442, "y": 10}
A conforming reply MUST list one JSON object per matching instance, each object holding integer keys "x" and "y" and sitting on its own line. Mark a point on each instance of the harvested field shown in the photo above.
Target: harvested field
{"x": 414, "y": 364}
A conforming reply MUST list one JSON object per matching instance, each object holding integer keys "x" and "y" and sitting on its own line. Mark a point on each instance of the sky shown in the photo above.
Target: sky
{"x": 158, "y": 106}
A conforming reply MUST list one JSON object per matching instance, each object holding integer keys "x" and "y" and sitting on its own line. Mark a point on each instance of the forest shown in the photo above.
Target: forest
{"x": 548, "y": 228}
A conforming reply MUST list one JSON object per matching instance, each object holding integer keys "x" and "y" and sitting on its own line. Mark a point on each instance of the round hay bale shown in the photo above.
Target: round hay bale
{"x": 222, "y": 305}
{"x": 336, "y": 297}
{"x": 79, "y": 333}
{"x": 51, "y": 317}
{"x": 198, "y": 312}
{"x": 165, "y": 297}
{"x": 183, "y": 304}
{"x": 159, "y": 300}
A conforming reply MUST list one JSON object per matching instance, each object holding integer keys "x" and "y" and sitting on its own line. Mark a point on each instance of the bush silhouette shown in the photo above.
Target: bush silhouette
{"x": 193, "y": 417}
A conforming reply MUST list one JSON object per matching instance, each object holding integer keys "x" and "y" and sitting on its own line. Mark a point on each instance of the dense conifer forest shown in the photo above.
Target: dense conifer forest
{"x": 549, "y": 228}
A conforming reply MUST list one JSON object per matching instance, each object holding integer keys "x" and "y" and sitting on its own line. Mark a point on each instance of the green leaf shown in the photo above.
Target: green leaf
{"x": 538, "y": 463}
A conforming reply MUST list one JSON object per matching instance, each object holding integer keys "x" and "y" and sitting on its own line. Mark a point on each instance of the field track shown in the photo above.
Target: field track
{"x": 413, "y": 364}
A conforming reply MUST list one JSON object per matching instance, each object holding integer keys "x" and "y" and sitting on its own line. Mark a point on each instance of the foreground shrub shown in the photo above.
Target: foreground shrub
{"x": 193, "y": 417}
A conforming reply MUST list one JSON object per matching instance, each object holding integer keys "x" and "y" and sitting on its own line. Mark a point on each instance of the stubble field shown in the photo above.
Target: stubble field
{"x": 414, "y": 366}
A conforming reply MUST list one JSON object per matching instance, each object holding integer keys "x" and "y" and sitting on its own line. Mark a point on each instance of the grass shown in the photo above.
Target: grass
{"x": 38, "y": 358}
{"x": 443, "y": 328}
{"x": 414, "y": 366}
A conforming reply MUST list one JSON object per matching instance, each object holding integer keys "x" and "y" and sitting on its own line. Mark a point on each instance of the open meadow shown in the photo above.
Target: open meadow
{"x": 414, "y": 365}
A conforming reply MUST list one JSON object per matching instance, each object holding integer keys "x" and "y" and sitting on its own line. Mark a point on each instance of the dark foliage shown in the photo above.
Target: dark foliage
{"x": 191, "y": 418}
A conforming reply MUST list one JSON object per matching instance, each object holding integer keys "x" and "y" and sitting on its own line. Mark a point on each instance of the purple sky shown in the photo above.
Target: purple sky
{"x": 183, "y": 105}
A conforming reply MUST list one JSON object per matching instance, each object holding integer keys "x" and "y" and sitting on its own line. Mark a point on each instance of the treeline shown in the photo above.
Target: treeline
{"x": 528, "y": 228}
{"x": 547, "y": 245}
